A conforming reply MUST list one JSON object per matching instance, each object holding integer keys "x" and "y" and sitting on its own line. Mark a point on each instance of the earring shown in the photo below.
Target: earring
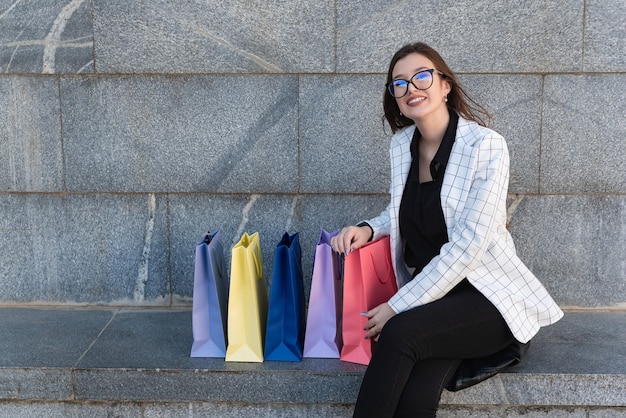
{"x": 445, "y": 98}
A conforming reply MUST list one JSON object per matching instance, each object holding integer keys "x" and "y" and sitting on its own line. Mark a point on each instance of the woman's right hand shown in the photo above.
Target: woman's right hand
{"x": 350, "y": 238}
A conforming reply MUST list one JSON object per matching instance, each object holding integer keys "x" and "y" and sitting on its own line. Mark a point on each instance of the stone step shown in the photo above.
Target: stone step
{"x": 79, "y": 359}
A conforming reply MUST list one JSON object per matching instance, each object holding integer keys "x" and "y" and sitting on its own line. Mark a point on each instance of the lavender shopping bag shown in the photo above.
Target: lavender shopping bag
{"x": 323, "y": 328}
{"x": 210, "y": 299}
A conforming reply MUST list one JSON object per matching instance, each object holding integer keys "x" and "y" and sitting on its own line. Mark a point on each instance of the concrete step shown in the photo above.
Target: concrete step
{"x": 70, "y": 362}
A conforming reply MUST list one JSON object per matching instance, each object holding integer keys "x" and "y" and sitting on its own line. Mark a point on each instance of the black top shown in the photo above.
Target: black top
{"x": 422, "y": 224}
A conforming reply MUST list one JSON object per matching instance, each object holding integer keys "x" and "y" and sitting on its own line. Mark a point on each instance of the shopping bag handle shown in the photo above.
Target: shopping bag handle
{"x": 387, "y": 274}
{"x": 246, "y": 243}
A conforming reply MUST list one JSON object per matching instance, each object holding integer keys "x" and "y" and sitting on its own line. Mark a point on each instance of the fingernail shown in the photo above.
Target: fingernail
{"x": 363, "y": 313}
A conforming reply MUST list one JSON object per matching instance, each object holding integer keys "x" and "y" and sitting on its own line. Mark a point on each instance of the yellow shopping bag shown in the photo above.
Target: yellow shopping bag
{"x": 248, "y": 302}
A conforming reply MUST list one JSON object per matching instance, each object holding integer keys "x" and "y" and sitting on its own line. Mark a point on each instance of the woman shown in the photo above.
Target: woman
{"x": 463, "y": 292}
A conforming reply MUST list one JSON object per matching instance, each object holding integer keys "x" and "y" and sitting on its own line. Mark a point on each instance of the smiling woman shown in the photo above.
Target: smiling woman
{"x": 457, "y": 98}
{"x": 463, "y": 293}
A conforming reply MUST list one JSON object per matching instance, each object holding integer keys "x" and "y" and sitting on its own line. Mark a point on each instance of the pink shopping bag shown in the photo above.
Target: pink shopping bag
{"x": 368, "y": 281}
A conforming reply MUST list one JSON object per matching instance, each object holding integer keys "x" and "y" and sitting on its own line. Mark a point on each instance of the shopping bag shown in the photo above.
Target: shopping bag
{"x": 322, "y": 338}
{"x": 210, "y": 298}
{"x": 284, "y": 336}
{"x": 368, "y": 281}
{"x": 247, "y": 302}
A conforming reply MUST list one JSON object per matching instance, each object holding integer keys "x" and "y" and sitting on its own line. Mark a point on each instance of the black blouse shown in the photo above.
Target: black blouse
{"x": 422, "y": 224}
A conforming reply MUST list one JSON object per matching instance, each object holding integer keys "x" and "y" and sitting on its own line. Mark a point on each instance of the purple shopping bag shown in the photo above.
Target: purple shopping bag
{"x": 210, "y": 299}
{"x": 323, "y": 328}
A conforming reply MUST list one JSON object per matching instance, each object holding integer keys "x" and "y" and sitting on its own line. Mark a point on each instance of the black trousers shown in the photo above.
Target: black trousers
{"x": 419, "y": 351}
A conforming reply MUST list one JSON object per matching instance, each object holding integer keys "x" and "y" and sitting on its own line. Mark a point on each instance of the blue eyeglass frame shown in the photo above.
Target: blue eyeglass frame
{"x": 432, "y": 80}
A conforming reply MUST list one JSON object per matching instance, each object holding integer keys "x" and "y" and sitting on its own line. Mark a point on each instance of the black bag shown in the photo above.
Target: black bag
{"x": 473, "y": 371}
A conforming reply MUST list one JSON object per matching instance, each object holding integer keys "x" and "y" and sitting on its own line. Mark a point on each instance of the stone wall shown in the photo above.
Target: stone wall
{"x": 130, "y": 127}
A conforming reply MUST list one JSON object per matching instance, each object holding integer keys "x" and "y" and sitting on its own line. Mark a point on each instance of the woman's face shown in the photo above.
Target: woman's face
{"x": 421, "y": 105}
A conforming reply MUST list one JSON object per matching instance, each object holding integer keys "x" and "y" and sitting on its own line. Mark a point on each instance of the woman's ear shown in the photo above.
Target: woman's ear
{"x": 447, "y": 87}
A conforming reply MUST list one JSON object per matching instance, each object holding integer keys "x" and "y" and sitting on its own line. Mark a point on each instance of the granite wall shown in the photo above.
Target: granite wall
{"x": 130, "y": 127}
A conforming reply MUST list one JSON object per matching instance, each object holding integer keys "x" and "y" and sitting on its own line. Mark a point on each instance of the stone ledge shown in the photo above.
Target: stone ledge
{"x": 85, "y": 355}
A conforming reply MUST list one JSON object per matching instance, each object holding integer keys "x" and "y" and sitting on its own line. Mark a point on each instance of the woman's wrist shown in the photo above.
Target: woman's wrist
{"x": 362, "y": 224}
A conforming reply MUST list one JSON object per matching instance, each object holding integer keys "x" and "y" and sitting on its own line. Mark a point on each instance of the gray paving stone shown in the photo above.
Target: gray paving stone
{"x": 191, "y": 37}
{"x": 607, "y": 413}
{"x": 575, "y": 245}
{"x": 83, "y": 248}
{"x": 250, "y": 411}
{"x": 283, "y": 387}
{"x": 517, "y": 412}
{"x": 605, "y": 35}
{"x": 578, "y": 352}
{"x": 566, "y": 365}
{"x": 32, "y": 159}
{"x": 48, "y": 338}
{"x": 583, "y": 134}
{"x": 472, "y": 37}
{"x": 69, "y": 410}
{"x": 35, "y": 383}
{"x": 180, "y": 134}
{"x": 49, "y": 37}
{"x": 545, "y": 389}
{"x": 142, "y": 340}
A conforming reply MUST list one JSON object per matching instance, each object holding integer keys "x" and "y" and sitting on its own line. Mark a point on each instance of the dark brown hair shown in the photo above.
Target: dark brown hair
{"x": 458, "y": 100}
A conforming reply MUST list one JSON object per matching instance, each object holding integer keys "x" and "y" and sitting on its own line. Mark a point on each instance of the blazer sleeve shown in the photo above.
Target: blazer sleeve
{"x": 381, "y": 224}
{"x": 475, "y": 222}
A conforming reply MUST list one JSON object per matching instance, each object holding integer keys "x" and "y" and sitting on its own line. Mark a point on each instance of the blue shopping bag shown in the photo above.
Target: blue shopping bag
{"x": 210, "y": 299}
{"x": 284, "y": 338}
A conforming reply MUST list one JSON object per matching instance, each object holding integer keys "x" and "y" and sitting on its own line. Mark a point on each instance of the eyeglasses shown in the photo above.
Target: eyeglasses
{"x": 421, "y": 81}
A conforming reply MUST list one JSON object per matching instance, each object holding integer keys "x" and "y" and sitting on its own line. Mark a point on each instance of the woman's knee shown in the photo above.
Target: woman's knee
{"x": 399, "y": 335}
{"x": 394, "y": 328}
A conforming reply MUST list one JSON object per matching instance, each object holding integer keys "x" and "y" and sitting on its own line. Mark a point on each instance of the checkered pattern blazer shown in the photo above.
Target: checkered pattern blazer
{"x": 480, "y": 248}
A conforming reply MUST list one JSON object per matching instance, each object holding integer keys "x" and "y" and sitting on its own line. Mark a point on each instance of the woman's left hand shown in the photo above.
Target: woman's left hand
{"x": 378, "y": 317}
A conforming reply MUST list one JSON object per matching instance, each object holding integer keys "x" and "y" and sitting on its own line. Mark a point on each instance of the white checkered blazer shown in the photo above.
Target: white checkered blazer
{"x": 480, "y": 248}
